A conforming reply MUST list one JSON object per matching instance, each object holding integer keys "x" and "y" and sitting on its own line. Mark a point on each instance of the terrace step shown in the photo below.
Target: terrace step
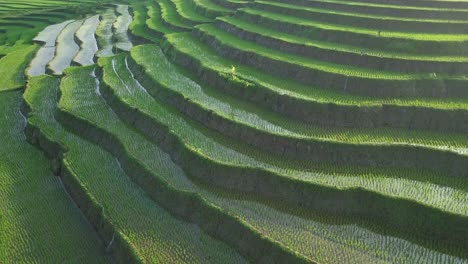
{"x": 343, "y": 54}
{"x": 154, "y": 22}
{"x": 233, "y": 4}
{"x": 383, "y": 9}
{"x": 348, "y": 79}
{"x": 13, "y": 66}
{"x": 171, "y": 18}
{"x": 139, "y": 31}
{"x": 418, "y": 3}
{"x": 120, "y": 28}
{"x": 88, "y": 44}
{"x": 188, "y": 13}
{"x": 247, "y": 123}
{"x": 66, "y": 49}
{"x": 151, "y": 168}
{"x": 104, "y": 33}
{"x": 207, "y": 156}
{"x": 311, "y": 104}
{"x": 37, "y": 215}
{"x": 133, "y": 226}
{"x": 366, "y": 21}
{"x": 47, "y": 38}
{"x": 423, "y": 44}
{"x": 210, "y": 9}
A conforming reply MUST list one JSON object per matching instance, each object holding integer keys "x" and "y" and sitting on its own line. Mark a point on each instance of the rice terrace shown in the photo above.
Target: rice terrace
{"x": 234, "y": 131}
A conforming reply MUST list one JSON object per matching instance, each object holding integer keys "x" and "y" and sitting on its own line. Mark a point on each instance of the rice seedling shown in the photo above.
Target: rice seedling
{"x": 133, "y": 94}
{"x": 151, "y": 231}
{"x": 226, "y": 39}
{"x": 39, "y": 222}
{"x": 210, "y": 9}
{"x": 297, "y": 40}
{"x": 138, "y": 27}
{"x": 171, "y": 18}
{"x": 12, "y": 67}
{"x": 169, "y": 77}
{"x": 305, "y": 131}
{"x": 385, "y": 9}
{"x": 154, "y": 22}
{"x": 187, "y": 12}
{"x": 190, "y": 46}
{"x": 419, "y": 36}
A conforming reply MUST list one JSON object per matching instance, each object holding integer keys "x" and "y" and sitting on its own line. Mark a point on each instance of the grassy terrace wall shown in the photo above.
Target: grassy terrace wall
{"x": 267, "y": 131}
{"x": 387, "y": 9}
{"x": 386, "y": 115}
{"x": 369, "y": 40}
{"x": 368, "y": 20}
{"x": 424, "y": 87}
{"x": 121, "y": 250}
{"x": 390, "y": 212}
{"x": 333, "y": 152}
{"x": 349, "y": 57}
{"x": 188, "y": 206}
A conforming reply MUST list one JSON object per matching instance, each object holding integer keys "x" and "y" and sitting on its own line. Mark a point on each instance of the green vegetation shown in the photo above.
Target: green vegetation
{"x": 234, "y": 131}
{"x": 189, "y": 45}
{"x": 357, "y": 30}
{"x": 12, "y": 68}
{"x": 131, "y": 93}
{"x": 138, "y": 27}
{"x": 37, "y": 216}
{"x": 171, "y": 18}
{"x": 154, "y": 22}
{"x": 168, "y": 77}
{"x": 264, "y": 31}
{"x": 151, "y": 231}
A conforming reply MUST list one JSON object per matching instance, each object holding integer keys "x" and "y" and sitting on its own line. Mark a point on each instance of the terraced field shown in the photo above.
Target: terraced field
{"x": 234, "y": 131}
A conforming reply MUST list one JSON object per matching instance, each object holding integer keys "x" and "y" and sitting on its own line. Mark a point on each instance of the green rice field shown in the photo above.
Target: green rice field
{"x": 234, "y": 131}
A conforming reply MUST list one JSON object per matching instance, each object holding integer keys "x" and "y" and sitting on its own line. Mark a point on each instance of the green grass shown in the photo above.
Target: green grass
{"x": 141, "y": 130}
{"x": 298, "y": 40}
{"x": 210, "y": 9}
{"x": 154, "y": 22}
{"x": 13, "y": 65}
{"x": 232, "y": 4}
{"x": 232, "y": 41}
{"x": 138, "y": 26}
{"x": 310, "y": 234}
{"x": 290, "y": 8}
{"x": 186, "y": 10}
{"x": 168, "y": 76}
{"x": 39, "y": 222}
{"x": 171, "y": 17}
{"x": 151, "y": 231}
{"x": 192, "y": 47}
{"x": 375, "y": 4}
{"x": 226, "y": 151}
{"x": 356, "y": 30}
